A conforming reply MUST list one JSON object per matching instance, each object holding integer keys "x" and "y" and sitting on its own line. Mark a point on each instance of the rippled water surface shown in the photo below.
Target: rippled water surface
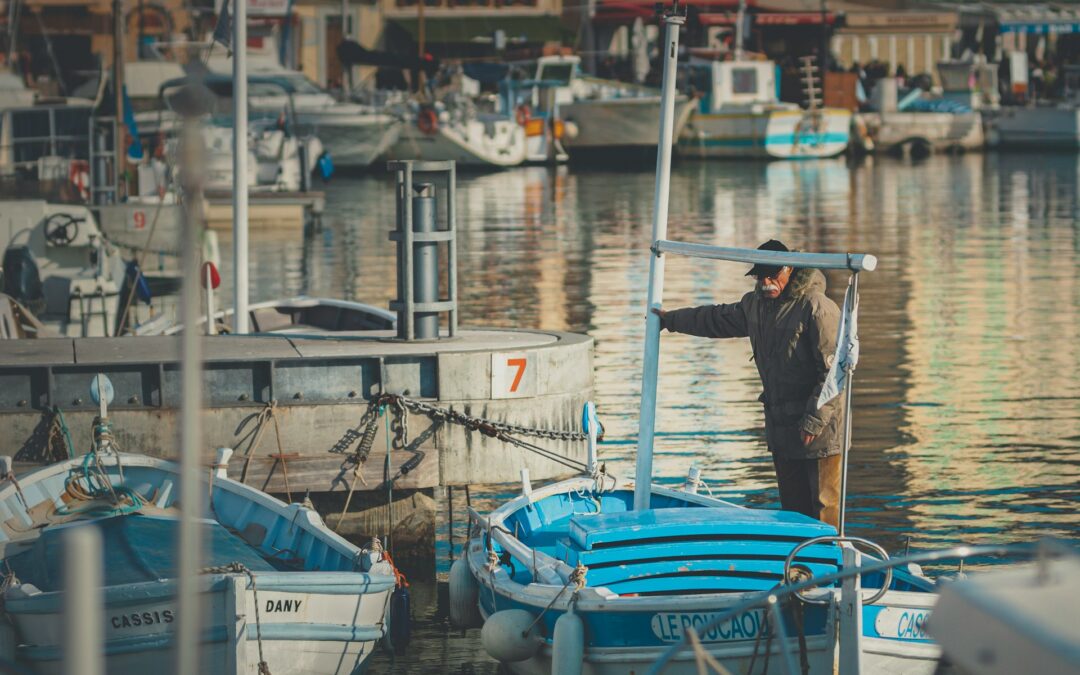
{"x": 967, "y": 398}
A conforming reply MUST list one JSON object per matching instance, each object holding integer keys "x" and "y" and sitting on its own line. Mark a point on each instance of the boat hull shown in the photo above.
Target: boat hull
{"x": 472, "y": 144}
{"x": 618, "y": 125}
{"x": 776, "y": 134}
{"x": 332, "y": 631}
{"x": 937, "y": 132}
{"x": 354, "y": 143}
{"x": 1039, "y": 127}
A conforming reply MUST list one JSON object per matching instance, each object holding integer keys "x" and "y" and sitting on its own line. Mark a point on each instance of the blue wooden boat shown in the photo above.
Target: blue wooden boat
{"x": 596, "y": 575}
{"x": 278, "y": 585}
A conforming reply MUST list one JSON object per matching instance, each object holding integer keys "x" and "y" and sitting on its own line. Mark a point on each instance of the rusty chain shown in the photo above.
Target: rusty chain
{"x": 402, "y": 405}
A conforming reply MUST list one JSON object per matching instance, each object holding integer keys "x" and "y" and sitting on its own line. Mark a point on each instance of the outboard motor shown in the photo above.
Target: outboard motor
{"x": 22, "y": 280}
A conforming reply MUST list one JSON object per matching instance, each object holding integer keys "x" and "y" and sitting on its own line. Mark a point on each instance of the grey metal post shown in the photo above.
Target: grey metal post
{"x": 99, "y": 180}
{"x": 451, "y": 255}
{"x": 84, "y": 632}
{"x": 846, "y": 446}
{"x": 647, "y": 416}
{"x": 189, "y": 543}
{"x": 407, "y": 271}
{"x": 425, "y": 261}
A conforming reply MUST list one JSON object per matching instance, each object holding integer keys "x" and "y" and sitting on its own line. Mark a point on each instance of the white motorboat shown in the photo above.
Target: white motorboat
{"x": 604, "y": 117}
{"x": 741, "y": 116}
{"x": 59, "y": 265}
{"x": 453, "y": 129}
{"x": 356, "y": 134}
{"x": 279, "y": 589}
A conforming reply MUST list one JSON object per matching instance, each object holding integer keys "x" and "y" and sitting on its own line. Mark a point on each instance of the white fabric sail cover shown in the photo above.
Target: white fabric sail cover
{"x": 846, "y": 355}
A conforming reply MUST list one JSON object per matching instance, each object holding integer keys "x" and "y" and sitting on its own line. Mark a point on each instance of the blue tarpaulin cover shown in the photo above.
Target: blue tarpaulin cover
{"x": 137, "y": 548}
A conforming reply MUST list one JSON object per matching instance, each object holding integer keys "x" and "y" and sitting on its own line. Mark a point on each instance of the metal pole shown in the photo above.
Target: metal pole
{"x": 189, "y": 546}
{"x": 118, "y": 94}
{"x": 346, "y": 33}
{"x": 846, "y": 446}
{"x": 84, "y": 599}
{"x": 739, "y": 18}
{"x": 240, "y": 170}
{"x": 647, "y": 416}
{"x": 425, "y": 261}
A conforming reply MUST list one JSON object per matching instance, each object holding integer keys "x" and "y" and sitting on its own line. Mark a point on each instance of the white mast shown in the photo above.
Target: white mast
{"x": 240, "y": 169}
{"x": 647, "y": 416}
{"x": 739, "y": 18}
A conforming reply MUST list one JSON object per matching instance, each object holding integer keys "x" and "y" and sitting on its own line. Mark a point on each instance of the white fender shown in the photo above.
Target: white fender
{"x": 505, "y": 638}
{"x": 464, "y": 596}
{"x": 568, "y": 644}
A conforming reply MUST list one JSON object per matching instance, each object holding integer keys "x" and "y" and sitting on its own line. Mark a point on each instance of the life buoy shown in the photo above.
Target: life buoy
{"x": 427, "y": 121}
{"x": 79, "y": 176}
{"x": 523, "y": 114}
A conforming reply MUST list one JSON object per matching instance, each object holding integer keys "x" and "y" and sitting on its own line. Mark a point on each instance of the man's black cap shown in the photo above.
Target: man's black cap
{"x": 768, "y": 270}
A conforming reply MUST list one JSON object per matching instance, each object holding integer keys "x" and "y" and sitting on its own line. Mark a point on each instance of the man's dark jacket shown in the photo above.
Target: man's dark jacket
{"x": 793, "y": 338}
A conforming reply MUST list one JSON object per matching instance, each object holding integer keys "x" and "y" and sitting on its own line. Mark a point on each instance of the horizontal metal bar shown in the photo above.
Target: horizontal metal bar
{"x": 419, "y": 166}
{"x": 859, "y": 262}
{"x": 438, "y": 235}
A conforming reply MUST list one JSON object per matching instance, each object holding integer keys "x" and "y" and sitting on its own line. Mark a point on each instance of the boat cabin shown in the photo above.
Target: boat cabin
{"x": 738, "y": 83}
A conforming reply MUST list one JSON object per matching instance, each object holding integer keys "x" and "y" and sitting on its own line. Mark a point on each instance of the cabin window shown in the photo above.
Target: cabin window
{"x": 557, "y": 72}
{"x": 744, "y": 81}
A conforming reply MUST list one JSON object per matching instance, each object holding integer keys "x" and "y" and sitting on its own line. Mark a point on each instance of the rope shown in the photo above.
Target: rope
{"x": 704, "y": 658}
{"x": 91, "y": 482}
{"x": 267, "y": 413}
{"x": 18, "y": 489}
{"x": 240, "y": 568}
{"x": 577, "y": 577}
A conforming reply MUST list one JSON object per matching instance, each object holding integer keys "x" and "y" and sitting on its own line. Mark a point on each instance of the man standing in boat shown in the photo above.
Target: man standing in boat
{"x": 792, "y": 328}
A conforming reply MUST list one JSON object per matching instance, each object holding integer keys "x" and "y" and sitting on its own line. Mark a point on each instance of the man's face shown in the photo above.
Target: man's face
{"x": 772, "y": 285}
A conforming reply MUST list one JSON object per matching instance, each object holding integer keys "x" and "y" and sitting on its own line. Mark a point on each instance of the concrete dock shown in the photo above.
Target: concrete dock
{"x": 311, "y": 391}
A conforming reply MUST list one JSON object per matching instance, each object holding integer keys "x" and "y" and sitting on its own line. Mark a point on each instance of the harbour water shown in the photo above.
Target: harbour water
{"x": 967, "y": 398}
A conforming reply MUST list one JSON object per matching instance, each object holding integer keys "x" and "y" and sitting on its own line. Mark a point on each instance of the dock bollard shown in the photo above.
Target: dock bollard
{"x": 425, "y": 261}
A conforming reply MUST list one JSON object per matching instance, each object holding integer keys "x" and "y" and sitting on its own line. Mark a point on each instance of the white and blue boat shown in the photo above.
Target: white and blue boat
{"x": 594, "y": 575}
{"x": 278, "y": 586}
{"x": 741, "y": 116}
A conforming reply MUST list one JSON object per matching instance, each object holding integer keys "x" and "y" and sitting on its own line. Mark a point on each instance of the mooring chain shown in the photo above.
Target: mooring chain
{"x": 365, "y": 431}
{"x": 485, "y": 426}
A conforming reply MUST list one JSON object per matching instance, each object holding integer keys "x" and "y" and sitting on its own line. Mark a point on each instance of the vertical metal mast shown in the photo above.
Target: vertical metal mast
{"x": 240, "y": 170}
{"x": 851, "y": 303}
{"x": 739, "y": 18}
{"x": 647, "y": 416}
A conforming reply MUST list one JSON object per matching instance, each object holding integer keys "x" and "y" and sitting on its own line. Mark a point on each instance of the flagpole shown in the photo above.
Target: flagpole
{"x": 850, "y": 302}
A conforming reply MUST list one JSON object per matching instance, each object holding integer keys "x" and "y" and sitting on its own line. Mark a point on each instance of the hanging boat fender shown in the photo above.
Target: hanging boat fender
{"x": 464, "y": 596}
{"x": 427, "y": 121}
{"x": 400, "y": 629}
{"x": 523, "y": 114}
{"x": 511, "y": 635}
{"x": 568, "y": 644}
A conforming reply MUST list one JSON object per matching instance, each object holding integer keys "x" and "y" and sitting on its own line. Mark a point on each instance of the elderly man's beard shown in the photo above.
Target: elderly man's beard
{"x": 770, "y": 288}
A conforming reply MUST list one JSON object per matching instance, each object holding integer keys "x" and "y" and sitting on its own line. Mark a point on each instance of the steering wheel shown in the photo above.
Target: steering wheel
{"x": 61, "y": 228}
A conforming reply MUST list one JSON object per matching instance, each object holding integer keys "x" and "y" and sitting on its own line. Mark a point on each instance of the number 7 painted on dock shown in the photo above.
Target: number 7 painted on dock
{"x": 513, "y": 375}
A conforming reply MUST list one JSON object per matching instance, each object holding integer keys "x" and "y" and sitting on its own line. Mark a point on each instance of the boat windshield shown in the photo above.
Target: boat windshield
{"x": 556, "y": 72}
